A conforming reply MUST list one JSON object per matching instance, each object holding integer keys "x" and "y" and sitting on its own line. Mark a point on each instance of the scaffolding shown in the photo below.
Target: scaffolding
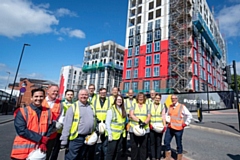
{"x": 180, "y": 44}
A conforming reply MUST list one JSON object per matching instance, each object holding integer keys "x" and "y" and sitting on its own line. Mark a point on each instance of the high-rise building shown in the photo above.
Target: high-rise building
{"x": 70, "y": 77}
{"x": 103, "y": 65}
{"x": 173, "y": 46}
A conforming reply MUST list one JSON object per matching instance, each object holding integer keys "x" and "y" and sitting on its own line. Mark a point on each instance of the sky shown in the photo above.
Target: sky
{"x": 59, "y": 30}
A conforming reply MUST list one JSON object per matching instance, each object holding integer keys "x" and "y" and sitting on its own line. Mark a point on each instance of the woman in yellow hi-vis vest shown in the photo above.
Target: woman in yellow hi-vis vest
{"x": 139, "y": 116}
{"x": 115, "y": 124}
{"x": 157, "y": 127}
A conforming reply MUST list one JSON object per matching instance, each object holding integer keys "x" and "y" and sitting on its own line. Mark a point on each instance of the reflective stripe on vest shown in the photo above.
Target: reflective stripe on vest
{"x": 156, "y": 114}
{"x": 65, "y": 107}
{"x": 128, "y": 104}
{"x": 22, "y": 146}
{"x": 76, "y": 120}
{"x": 117, "y": 124}
{"x": 141, "y": 114}
{"x": 101, "y": 112}
{"x": 176, "y": 119}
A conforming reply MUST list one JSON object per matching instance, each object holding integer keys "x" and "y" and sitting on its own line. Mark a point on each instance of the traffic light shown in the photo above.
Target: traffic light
{"x": 227, "y": 74}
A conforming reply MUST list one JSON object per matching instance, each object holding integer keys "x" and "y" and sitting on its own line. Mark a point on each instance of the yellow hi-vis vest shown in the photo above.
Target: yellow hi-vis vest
{"x": 101, "y": 112}
{"x": 65, "y": 108}
{"x": 128, "y": 104}
{"x": 94, "y": 98}
{"x": 76, "y": 120}
{"x": 149, "y": 101}
{"x": 141, "y": 114}
{"x": 156, "y": 114}
{"x": 117, "y": 124}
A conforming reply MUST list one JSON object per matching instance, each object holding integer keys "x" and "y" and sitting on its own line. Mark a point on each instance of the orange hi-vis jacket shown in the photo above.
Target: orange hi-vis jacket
{"x": 56, "y": 112}
{"x": 176, "y": 121}
{"x": 22, "y": 146}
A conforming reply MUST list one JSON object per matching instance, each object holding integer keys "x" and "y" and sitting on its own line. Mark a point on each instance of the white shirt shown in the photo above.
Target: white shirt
{"x": 109, "y": 119}
{"x": 50, "y": 102}
{"x": 185, "y": 113}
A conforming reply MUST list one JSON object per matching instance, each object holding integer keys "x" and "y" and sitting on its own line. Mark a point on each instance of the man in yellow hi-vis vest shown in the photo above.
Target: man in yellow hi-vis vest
{"x": 92, "y": 96}
{"x": 114, "y": 95}
{"x": 78, "y": 123}
{"x": 64, "y": 105}
{"x": 152, "y": 96}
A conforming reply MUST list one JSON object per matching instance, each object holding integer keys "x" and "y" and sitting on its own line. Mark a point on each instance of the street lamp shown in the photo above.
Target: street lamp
{"x": 7, "y": 81}
{"x": 14, "y": 82}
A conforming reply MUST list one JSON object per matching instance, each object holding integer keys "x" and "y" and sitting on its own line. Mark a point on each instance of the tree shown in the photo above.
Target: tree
{"x": 238, "y": 82}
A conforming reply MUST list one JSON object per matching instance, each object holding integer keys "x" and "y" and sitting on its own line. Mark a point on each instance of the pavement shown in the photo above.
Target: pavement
{"x": 220, "y": 121}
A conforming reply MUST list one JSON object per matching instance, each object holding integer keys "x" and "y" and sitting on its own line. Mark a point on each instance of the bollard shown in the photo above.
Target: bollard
{"x": 199, "y": 111}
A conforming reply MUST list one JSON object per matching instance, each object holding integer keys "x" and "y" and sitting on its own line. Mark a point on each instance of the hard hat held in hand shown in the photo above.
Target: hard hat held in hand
{"x": 168, "y": 119}
{"x": 91, "y": 139}
{"x": 158, "y": 127}
{"x": 36, "y": 154}
{"x": 101, "y": 127}
{"x": 138, "y": 131}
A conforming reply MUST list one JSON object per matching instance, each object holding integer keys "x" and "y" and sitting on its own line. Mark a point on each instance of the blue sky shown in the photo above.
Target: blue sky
{"x": 59, "y": 30}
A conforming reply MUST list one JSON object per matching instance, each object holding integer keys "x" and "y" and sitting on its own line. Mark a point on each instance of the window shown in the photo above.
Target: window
{"x": 196, "y": 84}
{"x": 136, "y": 61}
{"x": 195, "y": 54}
{"x": 156, "y": 85}
{"x": 151, "y": 4}
{"x": 129, "y": 63}
{"x": 156, "y": 58}
{"x": 157, "y": 46}
{"x": 134, "y": 85}
{"x": 136, "y": 50}
{"x": 148, "y": 60}
{"x": 158, "y": 24}
{"x": 138, "y": 29}
{"x": 149, "y": 37}
{"x": 148, "y": 72}
{"x": 158, "y": 3}
{"x": 195, "y": 69}
{"x": 146, "y": 85}
{"x": 158, "y": 13}
{"x": 130, "y": 42}
{"x": 128, "y": 75}
{"x": 149, "y": 47}
{"x": 150, "y": 16}
{"x": 131, "y": 32}
{"x": 150, "y": 26}
{"x": 157, "y": 34}
{"x": 135, "y": 75}
{"x": 156, "y": 71}
{"x": 126, "y": 86}
{"x": 138, "y": 39}
{"x": 139, "y": 19}
{"x": 129, "y": 52}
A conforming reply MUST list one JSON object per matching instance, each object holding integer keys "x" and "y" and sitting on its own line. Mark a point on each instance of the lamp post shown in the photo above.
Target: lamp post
{"x": 7, "y": 81}
{"x": 19, "y": 63}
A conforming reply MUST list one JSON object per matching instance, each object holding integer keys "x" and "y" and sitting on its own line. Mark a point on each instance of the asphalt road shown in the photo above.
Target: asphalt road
{"x": 198, "y": 144}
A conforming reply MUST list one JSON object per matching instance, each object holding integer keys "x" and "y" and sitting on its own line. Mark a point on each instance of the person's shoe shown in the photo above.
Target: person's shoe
{"x": 167, "y": 155}
{"x": 179, "y": 157}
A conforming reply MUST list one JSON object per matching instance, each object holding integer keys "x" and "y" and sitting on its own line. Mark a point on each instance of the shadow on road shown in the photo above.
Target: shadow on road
{"x": 234, "y": 157}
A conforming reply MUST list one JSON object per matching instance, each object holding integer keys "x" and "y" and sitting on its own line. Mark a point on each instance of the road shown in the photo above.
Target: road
{"x": 198, "y": 144}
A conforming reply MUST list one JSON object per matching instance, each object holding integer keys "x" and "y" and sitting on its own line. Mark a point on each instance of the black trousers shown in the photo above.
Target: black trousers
{"x": 156, "y": 144}
{"x": 124, "y": 143}
{"x": 56, "y": 148}
{"x": 138, "y": 147}
{"x": 114, "y": 149}
{"x": 50, "y": 146}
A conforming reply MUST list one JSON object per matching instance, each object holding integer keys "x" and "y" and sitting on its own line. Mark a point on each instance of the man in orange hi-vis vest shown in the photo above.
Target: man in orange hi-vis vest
{"x": 51, "y": 101}
{"x": 176, "y": 125}
{"x": 32, "y": 124}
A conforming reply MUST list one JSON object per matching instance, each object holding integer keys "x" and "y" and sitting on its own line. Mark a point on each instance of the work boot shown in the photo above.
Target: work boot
{"x": 167, "y": 155}
{"x": 179, "y": 157}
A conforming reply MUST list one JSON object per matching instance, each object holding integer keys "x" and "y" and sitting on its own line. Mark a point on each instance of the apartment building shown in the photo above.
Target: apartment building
{"x": 70, "y": 78}
{"x": 103, "y": 65}
{"x": 173, "y": 46}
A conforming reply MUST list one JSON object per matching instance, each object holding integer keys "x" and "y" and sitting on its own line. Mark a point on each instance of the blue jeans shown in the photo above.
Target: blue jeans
{"x": 76, "y": 148}
{"x": 170, "y": 133}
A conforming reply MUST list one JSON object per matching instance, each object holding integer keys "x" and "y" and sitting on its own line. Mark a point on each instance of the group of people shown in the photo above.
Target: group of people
{"x": 49, "y": 124}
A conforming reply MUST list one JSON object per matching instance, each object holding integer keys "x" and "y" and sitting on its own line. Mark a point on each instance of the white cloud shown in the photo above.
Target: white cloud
{"x": 229, "y": 21}
{"x": 65, "y": 12}
{"x": 19, "y": 17}
{"x": 60, "y": 39}
{"x": 72, "y": 32}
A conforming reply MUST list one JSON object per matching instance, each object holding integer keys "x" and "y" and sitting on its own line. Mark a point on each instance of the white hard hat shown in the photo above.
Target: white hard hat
{"x": 36, "y": 154}
{"x": 91, "y": 139}
{"x": 101, "y": 127}
{"x": 138, "y": 131}
{"x": 168, "y": 119}
{"x": 158, "y": 127}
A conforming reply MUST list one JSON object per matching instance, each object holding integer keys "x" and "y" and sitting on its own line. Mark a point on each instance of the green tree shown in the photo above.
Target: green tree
{"x": 238, "y": 82}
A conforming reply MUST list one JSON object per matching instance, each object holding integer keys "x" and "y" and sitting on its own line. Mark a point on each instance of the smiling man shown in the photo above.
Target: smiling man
{"x": 32, "y": 125}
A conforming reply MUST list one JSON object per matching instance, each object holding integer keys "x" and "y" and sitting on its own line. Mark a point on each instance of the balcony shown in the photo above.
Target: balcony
{"x": 101, "y": 65}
